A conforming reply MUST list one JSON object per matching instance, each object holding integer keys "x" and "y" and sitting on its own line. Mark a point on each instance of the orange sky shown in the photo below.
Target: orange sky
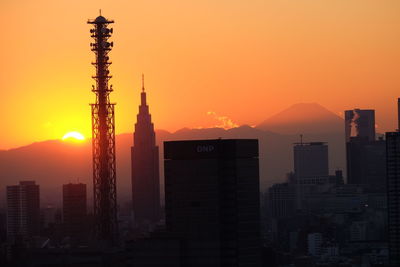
{"x": 242, "y": 59}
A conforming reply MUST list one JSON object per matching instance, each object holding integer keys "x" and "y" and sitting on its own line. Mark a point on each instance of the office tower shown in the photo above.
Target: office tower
{"x": 145, "y": 168}
{"x": 103, "y": 137}
{"x": 311, "y": 162}
{"x": 393, "y": 195}
{"x": 311, "y": 167}
{"x": 48, "y": 216}
{"x": 74, "y": 210}
{"x": 212, "y": 200}
{"x": 365, "y": 156}
{"x": 398, "y": 114}
{"x": 23, "y": 211}
{"x": 366, "y": 162}
{"x": 360, "y": 123}
{"x": 282, "y": 200}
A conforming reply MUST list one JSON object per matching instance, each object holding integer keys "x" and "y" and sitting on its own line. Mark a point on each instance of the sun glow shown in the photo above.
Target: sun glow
{"x": 75, "y": 136}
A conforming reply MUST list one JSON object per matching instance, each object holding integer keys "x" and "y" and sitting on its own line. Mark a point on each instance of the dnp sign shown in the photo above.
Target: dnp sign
{"x": 204, "y": 149}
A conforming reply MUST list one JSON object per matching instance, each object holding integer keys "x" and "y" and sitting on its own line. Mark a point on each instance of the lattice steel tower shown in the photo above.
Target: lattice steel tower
{"x": 103, "y": 134}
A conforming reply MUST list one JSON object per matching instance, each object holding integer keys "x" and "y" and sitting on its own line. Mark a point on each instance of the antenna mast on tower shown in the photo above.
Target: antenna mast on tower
{"x": 103, "y": 137}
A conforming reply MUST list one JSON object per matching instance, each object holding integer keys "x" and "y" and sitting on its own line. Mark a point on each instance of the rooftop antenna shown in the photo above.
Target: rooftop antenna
{"x": 301, "y": 139}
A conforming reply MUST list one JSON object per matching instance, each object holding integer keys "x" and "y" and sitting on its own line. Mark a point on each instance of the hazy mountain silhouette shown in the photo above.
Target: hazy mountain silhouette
{"x": 303, "y": 118}
{"x": 50, "y": 163}
{"x": 53, "y": 163}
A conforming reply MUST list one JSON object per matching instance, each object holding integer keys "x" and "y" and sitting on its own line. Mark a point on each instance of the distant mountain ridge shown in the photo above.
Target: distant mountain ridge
{"x": 303, "y": 118}
{"x": 53, "y": 163}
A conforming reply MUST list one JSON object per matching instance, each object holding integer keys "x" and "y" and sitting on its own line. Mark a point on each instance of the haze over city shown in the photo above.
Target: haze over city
{"x": 245, "y": 60}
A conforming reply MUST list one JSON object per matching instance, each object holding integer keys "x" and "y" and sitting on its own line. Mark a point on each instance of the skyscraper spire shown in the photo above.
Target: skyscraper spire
{"x": 143, "y": 96}
{"x": 142, "y": 82}
{"x": 145, "y": 168}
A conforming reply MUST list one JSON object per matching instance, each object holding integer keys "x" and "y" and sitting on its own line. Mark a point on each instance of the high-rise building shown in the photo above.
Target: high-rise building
{"x": 311, "y": 164}
{"x": 145, "y": 168}
{"x": 23, "y": 210}
{"x": 311, "y": 167}
{"x": 366, "y": 162}
{"x": 393, "y": 195}
{"x": 212, "y": 200}
{"x": 48, "y": 215}
{"x": 365, "y": 156}
{"x": 360, "y": 123}
{"x": 74, "y": 210}
{"x": 282, "y": 200}
{"x": 398, "y": 114}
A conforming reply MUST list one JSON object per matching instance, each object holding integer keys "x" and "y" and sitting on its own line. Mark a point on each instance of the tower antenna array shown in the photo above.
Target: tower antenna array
{"x": 103, "y": 136}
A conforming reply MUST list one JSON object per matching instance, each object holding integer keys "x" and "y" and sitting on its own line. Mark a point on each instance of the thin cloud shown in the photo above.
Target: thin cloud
{"x": 223, "y": 121}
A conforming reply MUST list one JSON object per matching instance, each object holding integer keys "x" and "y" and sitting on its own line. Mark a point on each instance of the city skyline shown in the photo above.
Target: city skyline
{"x": 261, "y": 56}
{"x": 275, "y": 139}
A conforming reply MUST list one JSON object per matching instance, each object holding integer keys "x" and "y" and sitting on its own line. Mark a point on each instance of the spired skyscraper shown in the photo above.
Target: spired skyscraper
{"x": 145, "y": 168}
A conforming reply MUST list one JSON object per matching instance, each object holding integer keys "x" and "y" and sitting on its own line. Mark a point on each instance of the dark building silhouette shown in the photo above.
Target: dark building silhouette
{"x": 311, "y": 167}
{"x": 311, "y": 162}
{"x": 155, "y": 250}
{"x": 393, "y": 195}
{"x": 212, "y": 200}
{"x": 145, "y": 168}
{"x": 23, "y": 211}
{"x": 360, "y": 123}
{"x": 74, "y": 210}
{"x": 398, "y": 114}
{"x": 337, "y": 178}
{"x": 282, "y": 200}
{"x": 365, "y": 156}
{"x": 366, "y": 162}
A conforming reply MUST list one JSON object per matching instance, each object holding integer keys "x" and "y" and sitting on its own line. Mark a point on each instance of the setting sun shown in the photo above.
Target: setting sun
{"x": 73, "y": 136}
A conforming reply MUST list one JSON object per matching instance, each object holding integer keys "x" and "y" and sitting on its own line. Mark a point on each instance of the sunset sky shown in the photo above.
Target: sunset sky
{"x": 245, "y": 60}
